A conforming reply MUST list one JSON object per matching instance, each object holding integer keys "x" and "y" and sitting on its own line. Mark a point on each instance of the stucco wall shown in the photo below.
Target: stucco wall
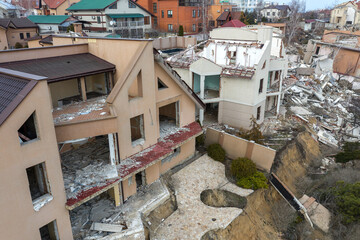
{"x": 18, "y": 218}
{"x": 236, "y": 147}
{"x": 239, "y": 115}
{"x": 173, "y": 42}
{"x": 13, "y": 35}
{"x": 3, "y": 39}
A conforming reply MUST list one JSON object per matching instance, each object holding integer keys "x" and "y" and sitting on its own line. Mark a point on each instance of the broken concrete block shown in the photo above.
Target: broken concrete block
{"x": 105, "y": 227}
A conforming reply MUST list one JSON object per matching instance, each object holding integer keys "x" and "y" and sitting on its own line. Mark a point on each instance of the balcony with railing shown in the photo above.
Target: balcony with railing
{"x": 129, "y": 24}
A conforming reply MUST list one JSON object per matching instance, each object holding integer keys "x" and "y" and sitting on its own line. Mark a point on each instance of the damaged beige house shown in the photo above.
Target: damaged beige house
{"x": 239, "y": 74}
{"x": 100, "y": 116}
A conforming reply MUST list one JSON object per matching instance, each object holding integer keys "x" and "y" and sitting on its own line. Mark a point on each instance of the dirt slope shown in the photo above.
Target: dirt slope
{"x": 257, "y": 221}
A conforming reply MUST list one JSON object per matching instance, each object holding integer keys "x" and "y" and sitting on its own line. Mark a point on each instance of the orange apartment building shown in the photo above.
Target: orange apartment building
{"x": 170, "y": 14}
{"x": 79, "y": 120}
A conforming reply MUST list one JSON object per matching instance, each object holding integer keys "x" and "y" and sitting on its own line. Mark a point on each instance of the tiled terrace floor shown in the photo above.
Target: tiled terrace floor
{"x": 193, "y": 218}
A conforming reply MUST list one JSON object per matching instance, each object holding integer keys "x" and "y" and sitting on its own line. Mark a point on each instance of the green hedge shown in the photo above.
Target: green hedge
{"x": 242, "y": 168}
{"x": 216, "y": 152}
{"x": 256, "y": 181}
{"x": 246, "y": 174}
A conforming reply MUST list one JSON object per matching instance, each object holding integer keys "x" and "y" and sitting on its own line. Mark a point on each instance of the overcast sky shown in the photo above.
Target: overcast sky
{"x": 314, "y": 4}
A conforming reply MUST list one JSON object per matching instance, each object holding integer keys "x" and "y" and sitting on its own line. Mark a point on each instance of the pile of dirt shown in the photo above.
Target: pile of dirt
{"x": 260, "y": 217}
{"x": 222, "y": 198}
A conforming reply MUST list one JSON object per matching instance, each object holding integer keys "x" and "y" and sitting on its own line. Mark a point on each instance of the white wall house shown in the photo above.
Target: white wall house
{"x": 239, "y": 73}
{"x": 123, "y": 17}
{"x": 275, "y": 12}
{"x": 245, "y": 5}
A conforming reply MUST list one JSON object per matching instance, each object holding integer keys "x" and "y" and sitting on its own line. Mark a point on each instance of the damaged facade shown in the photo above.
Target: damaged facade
{"x": 81, "y": 120}
{"x": 239, "y": 76}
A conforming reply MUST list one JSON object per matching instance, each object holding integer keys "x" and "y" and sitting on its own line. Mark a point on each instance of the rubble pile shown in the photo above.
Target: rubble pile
{"x": 87, "y": 166}
{"x": 321, "y": 102}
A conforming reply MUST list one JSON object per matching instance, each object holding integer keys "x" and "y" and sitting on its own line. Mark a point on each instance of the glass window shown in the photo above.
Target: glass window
{"x": 131, "y": 5}
{"x": 170, "y": 27}
{"x": 194, "y": 13}
{"x": 162, "y": 13}
{"x": 194, "y": 27}
{"x": 27, "y": 35}
{"x": 114, "y": 6}
{"x": 170, "y": 13}
{"x": 21, "y": 36}
{"x": 154, "y": 8}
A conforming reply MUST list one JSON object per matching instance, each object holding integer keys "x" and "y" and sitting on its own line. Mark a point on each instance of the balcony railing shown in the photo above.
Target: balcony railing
{"x": 128, "y": 24}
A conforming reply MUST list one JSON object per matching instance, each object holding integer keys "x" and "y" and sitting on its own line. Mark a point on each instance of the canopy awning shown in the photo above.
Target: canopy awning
{"x": 129, "y": 15}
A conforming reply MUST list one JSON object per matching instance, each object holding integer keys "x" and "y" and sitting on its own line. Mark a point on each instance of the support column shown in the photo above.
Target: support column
{"x": 279, "y": 96}
{"x": 202, "y": 86}
{"x": 113, "y": 149}
{"x": 83, "y": 88}
{"x": 201, "y": 116}
{"x": 115, "y": 194}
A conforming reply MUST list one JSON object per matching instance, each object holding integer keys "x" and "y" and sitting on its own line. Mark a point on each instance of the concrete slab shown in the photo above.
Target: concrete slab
{"x": 193, "y": 218}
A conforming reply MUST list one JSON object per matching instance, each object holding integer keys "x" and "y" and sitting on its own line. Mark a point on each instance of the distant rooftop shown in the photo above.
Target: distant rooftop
{"x": 51, "y": 19}
{"x": 91, "y": 5}
{"x": 17, "y": 23}
{"x": 234, "y": 23}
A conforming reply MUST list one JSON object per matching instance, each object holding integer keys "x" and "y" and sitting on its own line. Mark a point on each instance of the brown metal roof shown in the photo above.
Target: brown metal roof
{"x": 17, "y": 23}
{"x": 62, "y": 67}
{"x": 12, "y": 91}
{"x": 223, "y": 16}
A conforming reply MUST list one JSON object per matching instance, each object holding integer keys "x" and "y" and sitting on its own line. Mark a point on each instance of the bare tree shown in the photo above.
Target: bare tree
{"x": 297, "y": 7}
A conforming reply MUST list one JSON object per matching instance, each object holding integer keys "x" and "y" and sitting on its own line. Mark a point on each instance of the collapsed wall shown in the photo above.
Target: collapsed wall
{"x": 257, "y": 221}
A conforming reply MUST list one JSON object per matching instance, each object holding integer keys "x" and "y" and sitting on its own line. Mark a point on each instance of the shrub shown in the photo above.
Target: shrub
{"x": 254, "y": 134}
{"x": 18, "y": 45}
{"x": 200, "y": 140}
{"x": 216, "y": 152}
{"x": 242, "y": 168}
{"x": 256, "y": 181}
{"x": 351, "y": 152}
{"x": 181, "y": 31}
{"x": 348, "y": 201}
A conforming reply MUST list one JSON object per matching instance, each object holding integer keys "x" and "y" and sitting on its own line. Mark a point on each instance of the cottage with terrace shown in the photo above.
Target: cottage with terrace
{"x": 238, "y": 74}
{"x": 123, "y": 17}
{"x": 105, "y": 123}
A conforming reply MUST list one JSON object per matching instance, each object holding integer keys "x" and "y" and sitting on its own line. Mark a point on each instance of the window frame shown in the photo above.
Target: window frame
{"x": 169, "y": 13}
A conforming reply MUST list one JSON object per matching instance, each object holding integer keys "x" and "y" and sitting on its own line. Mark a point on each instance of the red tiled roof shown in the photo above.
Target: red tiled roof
{"x": 140, "y": 161}
{"x": 53, "y": 3}
{"x": 234, "y": 23}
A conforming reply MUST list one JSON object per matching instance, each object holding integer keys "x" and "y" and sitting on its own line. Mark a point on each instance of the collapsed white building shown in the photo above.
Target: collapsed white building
{"x": 239, "y": 73}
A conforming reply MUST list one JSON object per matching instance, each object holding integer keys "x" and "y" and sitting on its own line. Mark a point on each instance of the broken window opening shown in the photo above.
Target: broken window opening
{"x": 28, "y": 131}
{"x": 261, "y": 85}
{"x": 317, "y": 50}
{"x": 277, "y": 75}
{"x": 175, "y": 153}
{"x": 140, "y": 179}
{"x": 49, "y": 231}
{"x": 38, "y": 182}
{"x": 258, "y": 113}
{"x": 169, "y": 118}
{"x": 161, "y": 84}
{"x": 136, "y": 88}
{"x": 137, "y": 130}
{"x": 264, "y": 65}
{"x": 233, "y": 57}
